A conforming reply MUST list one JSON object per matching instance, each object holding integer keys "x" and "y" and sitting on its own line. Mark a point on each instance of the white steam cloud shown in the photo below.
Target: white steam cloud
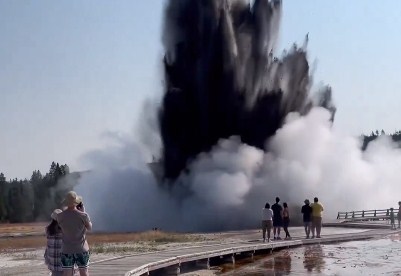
{"x": 228, "y": 186}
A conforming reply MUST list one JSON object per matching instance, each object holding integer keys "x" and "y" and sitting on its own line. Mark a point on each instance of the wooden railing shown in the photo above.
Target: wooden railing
{"x": 365, "y": 215}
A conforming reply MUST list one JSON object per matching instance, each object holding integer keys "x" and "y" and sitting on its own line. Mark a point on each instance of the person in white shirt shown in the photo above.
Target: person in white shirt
{"x": 267, "y": 222}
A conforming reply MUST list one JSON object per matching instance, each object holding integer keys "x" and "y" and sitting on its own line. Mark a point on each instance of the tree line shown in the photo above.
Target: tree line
{"x": 35, "y": 199}
{"x": 396, "y": 137}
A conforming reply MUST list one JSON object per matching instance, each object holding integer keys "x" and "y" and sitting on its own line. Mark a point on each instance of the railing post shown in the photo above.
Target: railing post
{"x": 346, "y": 215}
{"x": 363, "y": 213}
{"x": 375, "y": 213}
{"x": 353, "y": 214}
{"x": 338, "y": 215}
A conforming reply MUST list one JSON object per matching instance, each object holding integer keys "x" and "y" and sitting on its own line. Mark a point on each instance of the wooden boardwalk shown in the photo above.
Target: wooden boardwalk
{"x": 243, "y": 242}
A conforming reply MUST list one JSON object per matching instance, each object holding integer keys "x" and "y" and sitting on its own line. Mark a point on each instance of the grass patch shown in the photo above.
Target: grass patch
{"x": 17, "y": 243}
{"x": 98, "y": 242}
{"x": 139, "y": 242}
{"x": 23, "y": 228}
{"x": 122, "y": 248}
{"x": 148, "y": 236}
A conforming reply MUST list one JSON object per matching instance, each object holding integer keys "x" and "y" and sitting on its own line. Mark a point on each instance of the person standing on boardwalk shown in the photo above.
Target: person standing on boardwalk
{"x": 317, "y": 209}
{"x": 74, "y": 223}
{"x": 267, "y": 222}
{"x": 286, "y": 220}
{"x": 392, "y": 218}
{"x": 399, "y": 214}
{"x": 54, "y": 238}
{"x": 277, "y": 219}
{"x": 306, "y": 211}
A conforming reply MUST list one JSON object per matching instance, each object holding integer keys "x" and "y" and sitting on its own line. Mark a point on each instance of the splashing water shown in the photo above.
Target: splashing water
{"x": 227, "y": 187}
{"x": 238, "y": 128}
{"x": 222, "y": 78}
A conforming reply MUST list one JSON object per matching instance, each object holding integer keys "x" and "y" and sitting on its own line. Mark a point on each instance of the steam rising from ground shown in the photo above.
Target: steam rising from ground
{"x": 221, "y": 80}
{"x": 228, "y": 186}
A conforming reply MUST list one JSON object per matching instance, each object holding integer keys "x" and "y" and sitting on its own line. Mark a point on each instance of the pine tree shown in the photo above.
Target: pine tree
{"x": 3, "y": 192}
{"x": 38, "y": 196}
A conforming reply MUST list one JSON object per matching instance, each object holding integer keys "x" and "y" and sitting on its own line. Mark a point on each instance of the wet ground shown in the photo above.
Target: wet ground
{"x": 368, "y": 257}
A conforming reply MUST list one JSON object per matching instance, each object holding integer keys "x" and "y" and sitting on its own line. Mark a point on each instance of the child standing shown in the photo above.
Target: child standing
{"x": 53, "y": 247}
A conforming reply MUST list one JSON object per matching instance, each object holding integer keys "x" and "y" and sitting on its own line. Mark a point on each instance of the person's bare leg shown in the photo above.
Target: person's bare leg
{"x": 264, "y": 229}
{"x": 83, "y": 272}
{"x": 68, "y": 272}
{"x": 313, "y": 228}
{"x": 319, "y": 227}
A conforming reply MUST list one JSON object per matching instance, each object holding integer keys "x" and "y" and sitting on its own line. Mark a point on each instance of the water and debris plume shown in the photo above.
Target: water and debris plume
{"x": 222, "y": 78}
{"x": 226, "y": 119}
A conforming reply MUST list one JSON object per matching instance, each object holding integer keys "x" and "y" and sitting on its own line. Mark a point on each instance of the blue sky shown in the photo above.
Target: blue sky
{"x": 72, "y": 70}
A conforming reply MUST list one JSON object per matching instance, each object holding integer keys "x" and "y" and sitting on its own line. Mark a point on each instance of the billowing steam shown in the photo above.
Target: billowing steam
{"x": 222, "y": 78}
{"x": 228, "y": 186}
{"x": 237, "y": 129}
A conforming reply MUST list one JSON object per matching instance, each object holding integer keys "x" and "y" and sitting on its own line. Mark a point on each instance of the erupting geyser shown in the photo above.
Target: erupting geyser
{"x": 223, "y": 79}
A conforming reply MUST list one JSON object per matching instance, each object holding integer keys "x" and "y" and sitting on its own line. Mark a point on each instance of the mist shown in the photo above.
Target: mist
{"x": 235, "y": 127}
{"x": 226, "y": 187}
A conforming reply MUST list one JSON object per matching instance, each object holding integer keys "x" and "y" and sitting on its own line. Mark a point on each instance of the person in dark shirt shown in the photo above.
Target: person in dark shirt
{"x": 392, "y": 219}
{"x": 307, "y": 217}
{"x": 277, "y": 219}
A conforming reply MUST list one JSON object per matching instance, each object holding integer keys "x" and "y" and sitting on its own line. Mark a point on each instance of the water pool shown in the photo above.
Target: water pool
{"x": 367, "y": 257}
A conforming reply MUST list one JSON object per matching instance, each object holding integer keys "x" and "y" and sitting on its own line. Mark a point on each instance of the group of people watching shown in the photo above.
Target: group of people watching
{"x": 66, "y": 238}
{"x": 277, "y": 216}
